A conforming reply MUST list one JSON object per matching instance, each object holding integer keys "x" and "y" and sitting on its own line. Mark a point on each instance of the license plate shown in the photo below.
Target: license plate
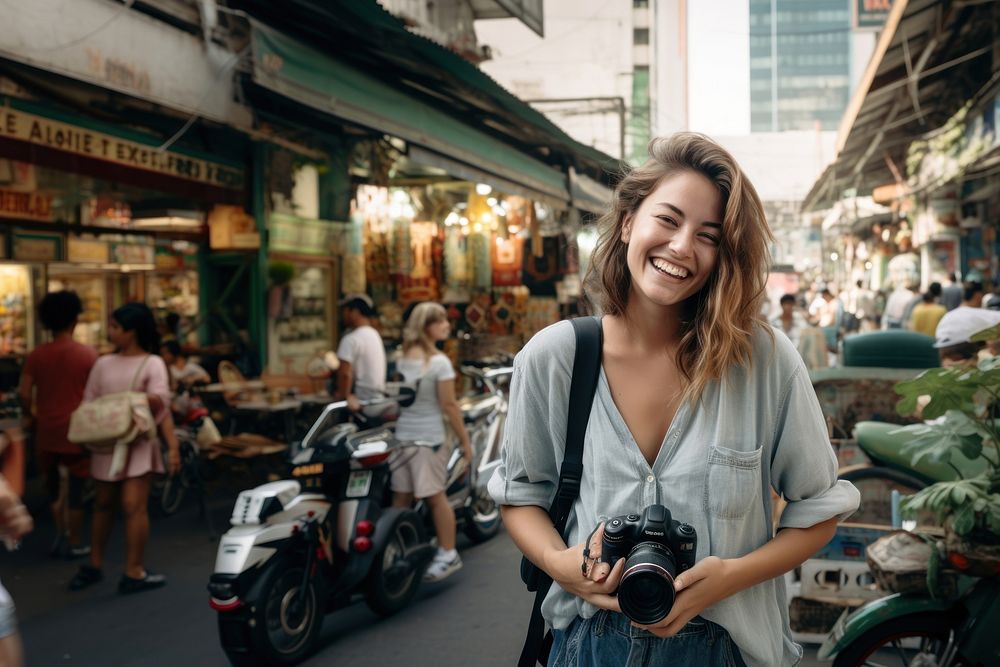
{"x": 359, "y": 483}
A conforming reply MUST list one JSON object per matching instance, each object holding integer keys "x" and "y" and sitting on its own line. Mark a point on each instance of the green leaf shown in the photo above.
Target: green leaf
{"x": 964, "y": 520}
{"x": 936, "y": 441}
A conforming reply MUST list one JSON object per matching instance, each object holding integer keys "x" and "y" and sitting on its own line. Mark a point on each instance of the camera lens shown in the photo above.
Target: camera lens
{"x": 646, "y": 592}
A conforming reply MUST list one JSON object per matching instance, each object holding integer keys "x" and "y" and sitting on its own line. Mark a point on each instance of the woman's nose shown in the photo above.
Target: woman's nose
{"x": 681, "y": 242}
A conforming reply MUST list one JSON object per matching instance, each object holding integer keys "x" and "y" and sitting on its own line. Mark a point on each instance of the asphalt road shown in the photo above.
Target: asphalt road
{"x": 477, "y": 617}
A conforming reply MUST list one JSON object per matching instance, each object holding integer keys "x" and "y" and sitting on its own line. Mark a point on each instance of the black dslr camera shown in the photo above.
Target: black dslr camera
{"x": 656, "y": 549}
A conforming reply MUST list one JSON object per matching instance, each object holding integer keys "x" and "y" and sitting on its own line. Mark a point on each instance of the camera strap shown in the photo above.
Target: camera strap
{"x": 586, "y": 371}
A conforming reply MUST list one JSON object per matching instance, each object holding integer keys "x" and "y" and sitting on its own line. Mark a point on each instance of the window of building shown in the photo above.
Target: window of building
{"x": 640, "y": 4}
{"x": 640, "y": 36}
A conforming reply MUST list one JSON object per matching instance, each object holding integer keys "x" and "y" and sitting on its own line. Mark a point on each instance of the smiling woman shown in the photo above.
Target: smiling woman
{"x": 706, "y": 209}
{"x": 699, "y": 409}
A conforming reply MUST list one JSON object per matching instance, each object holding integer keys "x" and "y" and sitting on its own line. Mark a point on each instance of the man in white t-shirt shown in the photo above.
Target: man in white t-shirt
{"x": 361, "y": 375}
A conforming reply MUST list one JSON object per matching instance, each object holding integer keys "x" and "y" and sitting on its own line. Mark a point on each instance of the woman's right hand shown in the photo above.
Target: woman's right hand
{"x": 600, "y": 580}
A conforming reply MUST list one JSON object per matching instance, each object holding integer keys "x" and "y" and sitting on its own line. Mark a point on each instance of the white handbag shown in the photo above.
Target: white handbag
{"x": 113, "y": 422}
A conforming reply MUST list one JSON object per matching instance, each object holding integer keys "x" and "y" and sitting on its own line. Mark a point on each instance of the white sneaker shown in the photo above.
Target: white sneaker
{"x": 441, "y": 569}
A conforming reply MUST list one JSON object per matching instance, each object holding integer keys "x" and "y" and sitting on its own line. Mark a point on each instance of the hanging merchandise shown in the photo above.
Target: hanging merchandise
{"x": 569, "y": 254}
{"x": 456, "y": 266}
{"x": 400, "y": 250}
{"x": 507, "y": 261}
{"x": 353, "y": 280}
{"x": 541, "y": 312}
{"x": 479, "y": 252}
{"x": 542, "y": 272}
{"x": 477, "y": 313}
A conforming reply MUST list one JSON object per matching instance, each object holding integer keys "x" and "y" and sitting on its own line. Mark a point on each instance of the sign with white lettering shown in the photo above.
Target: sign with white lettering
{"x": 41, "y": 131}
{"x": 25, "y": 205}
{"x": 871, "y": 14}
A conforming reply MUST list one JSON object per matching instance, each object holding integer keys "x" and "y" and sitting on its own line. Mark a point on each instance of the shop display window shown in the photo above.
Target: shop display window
{"x": 301, "y": 319}
{"x": 16, "y": 310}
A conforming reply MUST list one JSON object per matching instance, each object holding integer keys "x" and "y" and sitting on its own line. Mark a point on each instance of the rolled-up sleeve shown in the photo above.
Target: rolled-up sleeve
{"x": 535, "y": 432}
{"x": 803, "y": 464}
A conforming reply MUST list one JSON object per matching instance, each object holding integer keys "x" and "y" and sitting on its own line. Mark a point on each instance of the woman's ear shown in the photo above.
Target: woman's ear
{"x": 627, "y": 230}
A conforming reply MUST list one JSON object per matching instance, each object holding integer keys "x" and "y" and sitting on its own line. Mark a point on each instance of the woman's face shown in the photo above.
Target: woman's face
{"x": 438, "y": 331}
{"x": 673, "y": 239}
{"x": 118, "y": 336}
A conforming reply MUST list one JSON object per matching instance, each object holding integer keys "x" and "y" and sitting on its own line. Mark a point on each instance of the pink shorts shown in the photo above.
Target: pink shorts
{"x": 422, "y": 471}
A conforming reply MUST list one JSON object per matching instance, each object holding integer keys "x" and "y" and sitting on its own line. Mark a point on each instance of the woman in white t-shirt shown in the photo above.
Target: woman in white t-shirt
{"x": 423, "y": 472}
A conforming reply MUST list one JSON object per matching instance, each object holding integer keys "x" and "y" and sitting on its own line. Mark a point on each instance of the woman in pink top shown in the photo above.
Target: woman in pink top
{"x": 133, "y": 367}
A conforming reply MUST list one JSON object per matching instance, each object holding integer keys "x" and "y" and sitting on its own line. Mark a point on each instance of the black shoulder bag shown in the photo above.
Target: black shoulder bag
{"x": 586, "y": 370}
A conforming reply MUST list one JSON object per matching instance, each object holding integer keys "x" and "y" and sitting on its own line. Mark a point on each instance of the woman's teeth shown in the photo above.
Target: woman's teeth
{"x": 669, "y": 269}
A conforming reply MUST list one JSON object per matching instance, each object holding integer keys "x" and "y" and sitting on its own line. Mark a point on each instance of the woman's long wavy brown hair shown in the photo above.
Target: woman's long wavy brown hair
{"x": 719, "y": 321}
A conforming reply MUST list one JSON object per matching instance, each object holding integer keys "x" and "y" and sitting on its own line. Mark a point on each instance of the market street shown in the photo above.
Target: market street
{"x": 475, "y": 618}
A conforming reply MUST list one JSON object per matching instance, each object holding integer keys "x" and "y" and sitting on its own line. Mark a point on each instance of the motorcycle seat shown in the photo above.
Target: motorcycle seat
{"x": 476, "y": 407}
{"x": 884, "y": 445}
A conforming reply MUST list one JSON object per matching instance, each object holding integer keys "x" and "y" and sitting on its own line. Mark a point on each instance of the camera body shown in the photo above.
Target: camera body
{"x": 656, "y": 548}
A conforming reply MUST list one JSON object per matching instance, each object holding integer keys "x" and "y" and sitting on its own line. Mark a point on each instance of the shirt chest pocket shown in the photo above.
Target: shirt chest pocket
{"x": 732, "y": 485}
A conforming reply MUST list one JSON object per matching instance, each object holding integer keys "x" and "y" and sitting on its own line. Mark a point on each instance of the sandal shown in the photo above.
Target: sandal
{"x": 85, "y": 576}
{"x": 148, "y": 582}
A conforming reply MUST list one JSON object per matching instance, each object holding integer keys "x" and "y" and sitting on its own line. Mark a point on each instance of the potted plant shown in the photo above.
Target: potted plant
{"x": 962, "y": 431}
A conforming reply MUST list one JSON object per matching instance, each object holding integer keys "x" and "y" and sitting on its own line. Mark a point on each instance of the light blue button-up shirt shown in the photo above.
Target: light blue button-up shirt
{"x": 759, "y": 427}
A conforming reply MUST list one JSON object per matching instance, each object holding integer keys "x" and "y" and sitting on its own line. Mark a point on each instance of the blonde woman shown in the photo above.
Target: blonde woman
{"x": 423, "y": 473}
{"x": 699, "y": 407}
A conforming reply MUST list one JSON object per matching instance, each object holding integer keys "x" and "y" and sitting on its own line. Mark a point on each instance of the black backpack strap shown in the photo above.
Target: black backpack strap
{"x": 586, "y": 371}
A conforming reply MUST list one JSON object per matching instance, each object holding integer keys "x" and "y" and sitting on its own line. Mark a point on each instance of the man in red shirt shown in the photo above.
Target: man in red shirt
{"x": 52, "y": 382}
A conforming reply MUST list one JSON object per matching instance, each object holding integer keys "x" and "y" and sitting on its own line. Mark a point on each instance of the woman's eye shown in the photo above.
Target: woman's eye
{"x": 667, "y": 219}
{"x": 714, "y": 239}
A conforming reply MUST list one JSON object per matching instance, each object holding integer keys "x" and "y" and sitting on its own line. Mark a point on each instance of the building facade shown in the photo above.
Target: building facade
{"x": 800, "y": 64}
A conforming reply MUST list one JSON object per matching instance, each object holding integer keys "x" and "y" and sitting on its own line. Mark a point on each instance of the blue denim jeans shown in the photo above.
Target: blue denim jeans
{"x": 609, "y": 640}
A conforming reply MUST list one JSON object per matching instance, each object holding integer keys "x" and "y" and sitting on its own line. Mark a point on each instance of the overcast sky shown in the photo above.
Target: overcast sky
{"x": 719, "y": 67}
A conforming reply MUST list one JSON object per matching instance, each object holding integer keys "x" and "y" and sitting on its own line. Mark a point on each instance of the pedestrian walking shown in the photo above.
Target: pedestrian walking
{"x": 52, "y": 383}
{"x": 790, "y": 321}
{"x": 422, "y": 474}
{"x": 133, "y": 366}
{"x": 361, "y": 375}
{"x": 951, "y": 294}
{"x": 972, "y": 295}
{"x": 935, "y": 291}
{"x": 926, "y": 316}
{"x": 698, "y": 408}
{"x": 15, "y": 523}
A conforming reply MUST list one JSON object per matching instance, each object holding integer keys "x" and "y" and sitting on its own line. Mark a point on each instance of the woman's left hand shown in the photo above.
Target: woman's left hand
{"x": 708, "y": 582}
{"x": 467, "y": 451}
{"x": 173, "y": 461}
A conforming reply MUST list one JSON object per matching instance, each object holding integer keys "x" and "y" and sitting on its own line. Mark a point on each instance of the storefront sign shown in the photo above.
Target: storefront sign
{"x": 128, "y": 253}
{"x": 37, "y": 247}
{"x": 25, "y": 205}
{"x": 871, "y": 14}
{"x": 41, "y": 131}
{"x": 89, "y": 251}
{"x": 289, "y": 233}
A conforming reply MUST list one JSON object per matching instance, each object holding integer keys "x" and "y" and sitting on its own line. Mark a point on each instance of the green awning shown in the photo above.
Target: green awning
{"x": 294, "y": 70}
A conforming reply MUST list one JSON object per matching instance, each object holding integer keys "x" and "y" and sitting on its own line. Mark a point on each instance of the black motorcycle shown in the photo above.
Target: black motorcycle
{"x": 301, "y": 547}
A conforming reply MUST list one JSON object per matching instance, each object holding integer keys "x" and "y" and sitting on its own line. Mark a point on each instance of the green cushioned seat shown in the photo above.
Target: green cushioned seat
{"x": 891, "y": 349}
{"x": 883, "y": 443}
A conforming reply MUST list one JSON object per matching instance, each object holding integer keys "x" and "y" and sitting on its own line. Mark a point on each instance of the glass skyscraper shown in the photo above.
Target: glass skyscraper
{"x": 799, "y": 64}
